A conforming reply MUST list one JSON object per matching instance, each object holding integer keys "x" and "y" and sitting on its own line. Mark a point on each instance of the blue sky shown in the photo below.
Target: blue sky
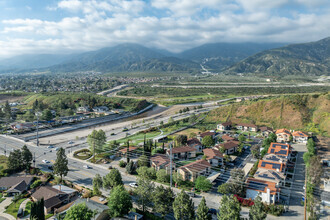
{"x": 66, "y": 26}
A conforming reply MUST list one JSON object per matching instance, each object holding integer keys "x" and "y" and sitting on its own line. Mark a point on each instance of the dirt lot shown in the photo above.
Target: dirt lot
{"x": 4, "y": 98}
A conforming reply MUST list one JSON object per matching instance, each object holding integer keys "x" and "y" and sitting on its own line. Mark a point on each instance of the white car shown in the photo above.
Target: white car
{"x": 45, "y": 161}
{"x": 134, "y": 185}
{"x": 87, "y": 167}
{"x": 57, "y": 148}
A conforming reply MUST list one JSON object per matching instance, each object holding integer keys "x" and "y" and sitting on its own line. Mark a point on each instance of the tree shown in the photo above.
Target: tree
{"x": 112, "y": 179}
{"x": 144, "y": 192}
{"x": 143, "y": 161}
{"x": 120, "y": 202}
{"x": 183, "y": 207}
{"x": 130, "y": 168}
{"x": 177, "y": 178}
{"x": 241, "y": 138}
{"x": 311, "y": 146}
{"x": 222, "y": 149}
{"x": 61, "y": 164}
{"x": 257, "y": 211}
{"x": 203, "y": 211}
{"x": 181, "y": 139}
{"x": 162, "y": 176}
{"x": 37, "y": 210}
{"x": 255, "y": 150}
{"x": 314, "y": 170}
{"x": 127, "y": 152}
{"x": 272, "y": 137}
{"x": 7, "y": 111}
{"x": 192, "y": 118}
{"x": 208, "y": 141}
{"x": 307, "y": 156}
{"x": 14, "y": 161}
{"x": 79, "y": 211}
{"x": 163, "y": 199}
{"x": 224, "y": 189}
{"x": 97, "y": 184}
{"x": 47, "y": 115}
{"x": 203, "y": 184}
{"x": 26, "y": 158}
{"x": 237, "y": 181}
{"x": 96, "y": 140}
{"x": 229, "y": 208}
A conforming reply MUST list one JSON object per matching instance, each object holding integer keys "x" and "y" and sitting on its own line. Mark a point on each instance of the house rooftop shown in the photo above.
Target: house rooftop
{"x": 230, "y": 145}
{"x": 196, "y": 166}
{"x": 279, "y": 149}
{"x": 212, "y": 153}
{"x": 64, "y": 189}
{"x": 227, "y": 138}
{"x": 226, "y": 123}
{"x": 208, "y": 133}
{"x": 182, "y": 149}
{"x": 247, "y": 125}
{"x": 193, "y": 141}
{"x": 271, "y": 165}
{"x": 161, "y": 159}
{"x": 299, "y": 134}
{"x": 265, "y": 128}
{"x": 261, "y": 185}
{"x": 269, "y": 175}
{"x": 7, "y": 182}
{"x": 283, "y": 130}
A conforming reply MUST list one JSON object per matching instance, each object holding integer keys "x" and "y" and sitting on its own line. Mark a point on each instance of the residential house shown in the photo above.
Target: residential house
{"x": 266, "y": 131}
{"x": 184, "y": 152}
{"x": 131, "y": 151}
{"x": 192, "y": 170}
{"x": 279, "y": 149}
{"x": 92, "y": 205}
{"x": 283, "y": 135}
{"x": 268, "y": 191}
{"x": 226, "y": 138}
{"x": 161, "y": 161}
{"x": 69, "y": 191}
{"x": 53, "y": 198}
{"x": 214, "y": 157}
{"x": 270, "y": 175}
{"x": 194, "y": 142}
{"x": 230, "y": 147}
{"x": 224, "y": 126}
{"x": 299, "y": 137}
{"x": 208, "y": 133}
{"x": 247, "y": 127}
{"x": 101, "y": 109}
{"x": 20, "y": 127}
{"x": 15, "y": 184}
{"x": 83, "y": 109}
{"x": 272, "y": 165}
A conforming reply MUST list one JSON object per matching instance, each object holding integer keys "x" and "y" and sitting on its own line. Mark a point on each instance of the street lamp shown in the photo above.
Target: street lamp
{"x": 38, "y": 114}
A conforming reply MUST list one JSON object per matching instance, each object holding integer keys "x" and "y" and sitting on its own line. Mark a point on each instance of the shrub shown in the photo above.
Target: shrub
{"x": 244, "y": 202}
{"x": 36, "y": 184}
{"x": 82, "y": 154}
{"x": 162, "y": 176}
{"x": 122, "y": 163}
{"x": 276, "y": 210}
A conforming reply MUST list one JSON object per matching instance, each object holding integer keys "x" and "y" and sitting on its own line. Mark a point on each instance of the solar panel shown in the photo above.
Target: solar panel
{"x": 274, "y": 165}
{"x": 257, "y": 185}
{"x": 273, "y": 158}
{"x": 281, "y": 152}
{"x": 272, "y": 150}
{"x": 277, "y": 176}
{"x": 266, "y": 176}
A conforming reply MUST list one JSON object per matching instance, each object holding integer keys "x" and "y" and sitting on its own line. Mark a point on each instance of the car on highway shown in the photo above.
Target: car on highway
{"x": 50, "y": 146}
{"x": 112, "y": 134}
{"x": 134, "y": 185}
{"x": 45, "y": 161}
{"x": 70, "y": 142}
{"x": 56, "y": 149}
{"x": 87, "y": 167}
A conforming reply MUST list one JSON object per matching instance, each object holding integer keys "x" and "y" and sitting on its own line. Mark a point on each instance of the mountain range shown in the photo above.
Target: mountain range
{"x": 229, "y": 58}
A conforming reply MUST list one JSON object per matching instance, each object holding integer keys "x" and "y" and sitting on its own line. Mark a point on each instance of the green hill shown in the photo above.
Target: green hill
{"x": 303, "y": 112}
{"x": 295, "y": 59}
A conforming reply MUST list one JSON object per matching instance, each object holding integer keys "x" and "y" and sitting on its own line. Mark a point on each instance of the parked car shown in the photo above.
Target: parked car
{"x": 110, "y": 167}
{"x": 134, "y": 185}
{"x": 112, "y": 134}
{"x": 20, "y": 213}
{"x": 57, "y": 148}
{"x": 191, "y": 194}
{"x": 70, "y": 142}
{"x": 87, "y": 167}
{"x": 45, "y": 161}
{"x": 212, "y": 211}
{"x": 50, "y": 146}
{"x": 50, "y": 167}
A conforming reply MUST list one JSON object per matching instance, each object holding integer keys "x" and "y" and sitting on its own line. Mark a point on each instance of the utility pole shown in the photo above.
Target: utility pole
{"x": 94, "y": 145}
{"x": 305, "y": 205}
{"x": 171, "y": 165}
{"x": 37, "y": 129}
{"x": 34, "y": 159}
{"x": 5, "y": 149}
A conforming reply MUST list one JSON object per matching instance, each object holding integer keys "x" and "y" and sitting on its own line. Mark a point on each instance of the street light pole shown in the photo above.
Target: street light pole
{"x": 37, "y": 114}
{"x": 171, "y": 165}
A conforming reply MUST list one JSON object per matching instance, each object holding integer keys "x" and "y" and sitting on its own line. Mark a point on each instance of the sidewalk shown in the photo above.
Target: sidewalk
{"x": 22, "y": 206}
{"x": 4, "y": 204}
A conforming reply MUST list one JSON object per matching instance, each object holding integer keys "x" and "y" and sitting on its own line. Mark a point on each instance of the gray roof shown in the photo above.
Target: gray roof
{"x": 92, "y": 205}
{"x": 7, "y": 182}
{"x": 21, "y": 186}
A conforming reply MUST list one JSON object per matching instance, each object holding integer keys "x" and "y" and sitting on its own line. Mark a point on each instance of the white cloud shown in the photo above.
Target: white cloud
{"x": 95, "y": 24}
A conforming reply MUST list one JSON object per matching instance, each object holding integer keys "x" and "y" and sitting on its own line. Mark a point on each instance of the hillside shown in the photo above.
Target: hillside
{"x": 125, "y": 58}
{"x": 304, "y": 112}
{"x": 217, "y": 56}
{"x": 296, "y": 59}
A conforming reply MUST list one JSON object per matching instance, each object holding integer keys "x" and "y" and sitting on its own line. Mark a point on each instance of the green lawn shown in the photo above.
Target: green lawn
{"x": 185, "y": 162}
{"x": 136, "y": 138}
{"x": 27, "y": 208}
{"x": 1, "y": 199}
{"x": 13, "y": 207}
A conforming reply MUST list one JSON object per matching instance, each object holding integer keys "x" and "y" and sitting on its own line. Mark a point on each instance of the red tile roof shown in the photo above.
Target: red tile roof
{"x": 196, "y": 166}
{"x": 182, "y": 149}
{"x": 265, "y": 128}
{"x": 161, "y": 159}
{"x": 193, "y": 141}
{"x": 212, "y": 153}
{"x": 208, "y": 133}
{"x": 225, "y": 124}
{"x": 271, "y": 165}
{"x": 279, "y": 149}
{"x": 299, "y": 134}
{"x": 261, "y": 185}
{"x": 124, "y": 150}
{"x": 283, "y": 130}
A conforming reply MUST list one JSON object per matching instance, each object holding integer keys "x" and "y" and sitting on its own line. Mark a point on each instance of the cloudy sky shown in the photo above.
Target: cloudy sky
{"x": 48, "y": 26}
